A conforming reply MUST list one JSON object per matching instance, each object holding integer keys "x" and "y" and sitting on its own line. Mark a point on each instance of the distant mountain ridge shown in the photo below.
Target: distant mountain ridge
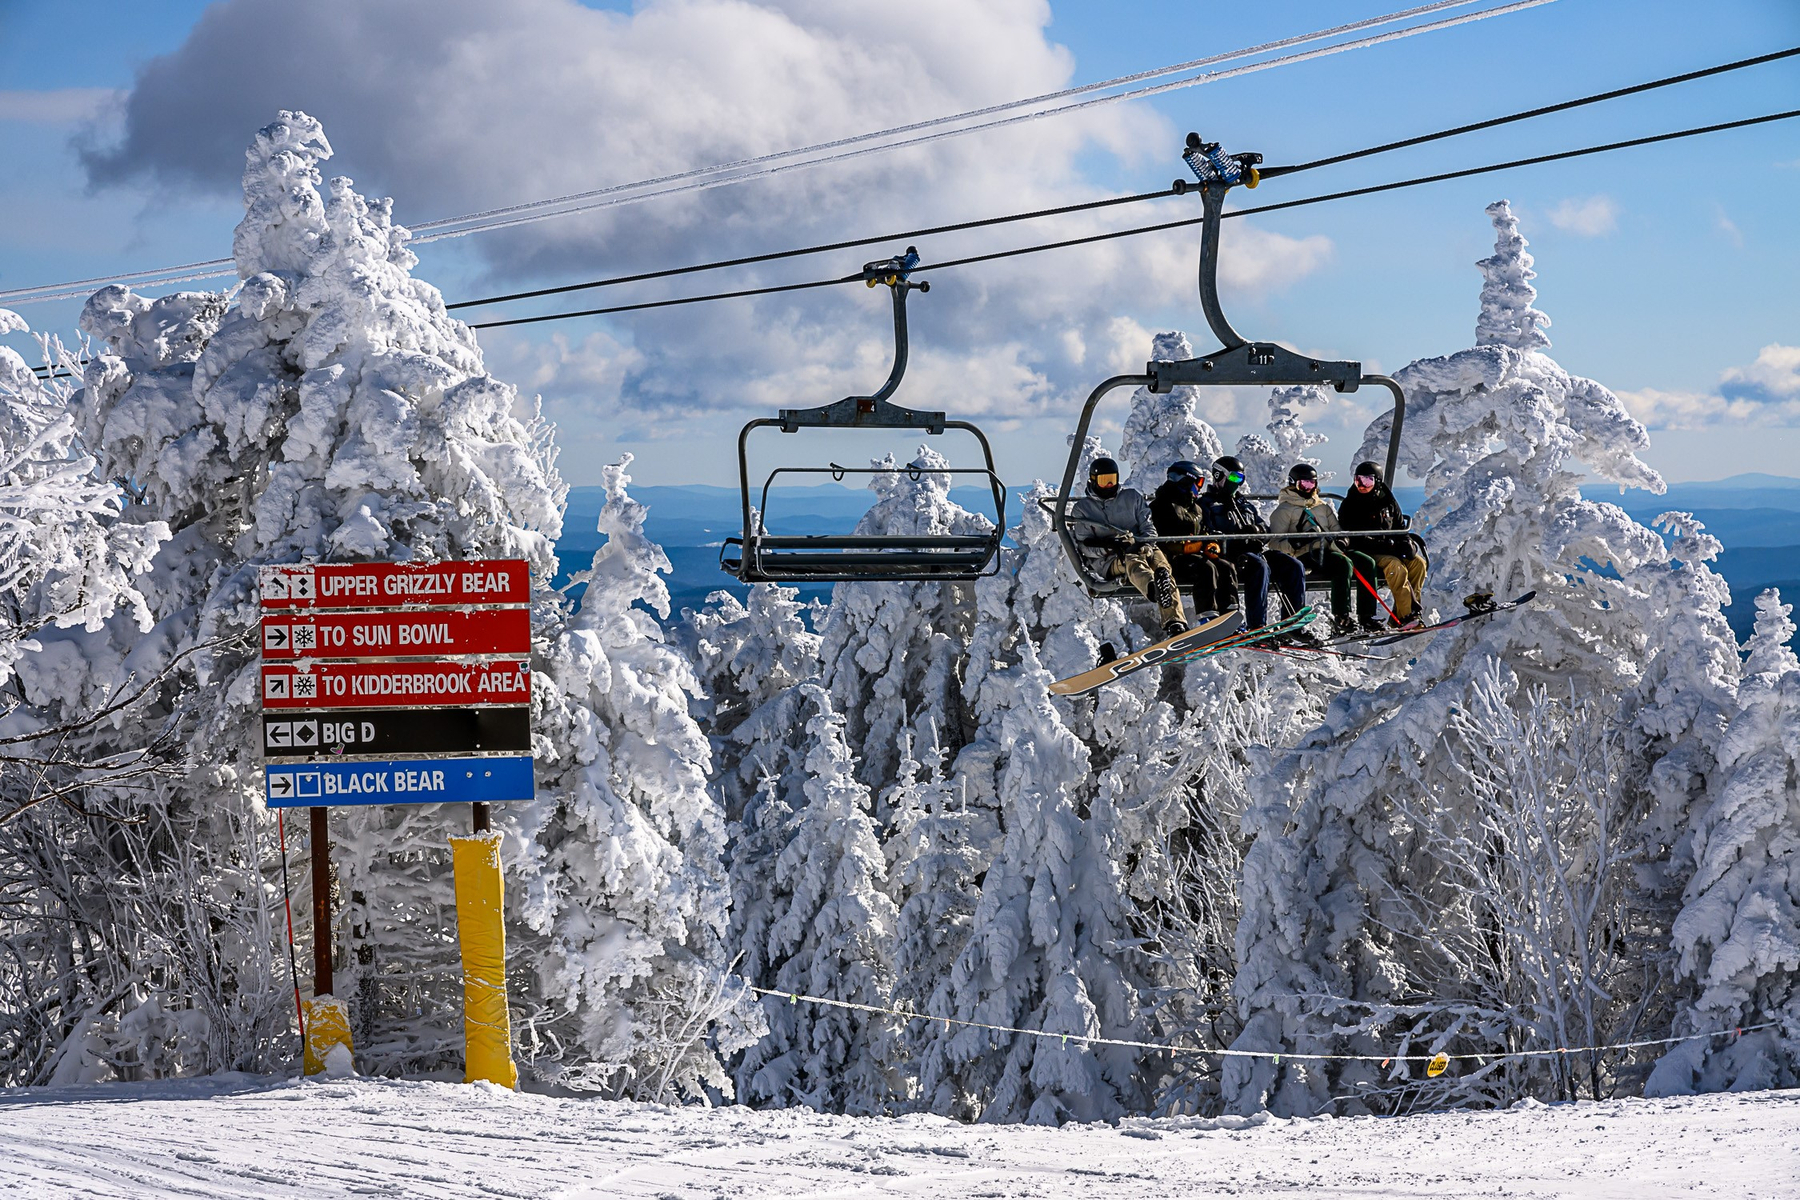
{"x": 1755, "y": 515}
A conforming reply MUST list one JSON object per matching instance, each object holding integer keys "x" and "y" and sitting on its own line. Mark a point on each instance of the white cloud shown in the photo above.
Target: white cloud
{"x": 457, "y": 105}
{"x": 1586, "y": 216}
{"x": 1728, "y": 227}
{"x": 1765, "y": 393}
{"x": 63, "y": 106}
{"x": 1774, "y": 378}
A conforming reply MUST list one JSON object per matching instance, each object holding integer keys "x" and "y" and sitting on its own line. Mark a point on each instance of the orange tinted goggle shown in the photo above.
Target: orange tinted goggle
{"x": 1106, "y": 481}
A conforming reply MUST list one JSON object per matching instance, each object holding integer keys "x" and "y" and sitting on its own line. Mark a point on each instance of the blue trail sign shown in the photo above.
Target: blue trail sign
{"x": 403, "y": 781}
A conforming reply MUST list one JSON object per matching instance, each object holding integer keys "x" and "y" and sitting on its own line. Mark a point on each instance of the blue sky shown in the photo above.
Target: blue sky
{"x": 1664, "y": 269}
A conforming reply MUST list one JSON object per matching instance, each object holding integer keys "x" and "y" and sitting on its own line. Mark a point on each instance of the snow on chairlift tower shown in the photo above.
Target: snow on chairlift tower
{"x": 1236, "y": 363}
{"x": 767, "y": 557}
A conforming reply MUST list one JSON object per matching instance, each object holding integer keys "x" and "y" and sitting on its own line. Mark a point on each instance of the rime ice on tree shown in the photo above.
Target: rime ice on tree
{"x": 1360, "y": 913}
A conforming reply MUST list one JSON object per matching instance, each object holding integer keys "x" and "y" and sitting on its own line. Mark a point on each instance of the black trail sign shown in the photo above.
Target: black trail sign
{"x": 398, "y": 731}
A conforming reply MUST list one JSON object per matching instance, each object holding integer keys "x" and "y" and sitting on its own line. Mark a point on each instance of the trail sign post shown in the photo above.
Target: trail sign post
{"x": 398, "y": 683}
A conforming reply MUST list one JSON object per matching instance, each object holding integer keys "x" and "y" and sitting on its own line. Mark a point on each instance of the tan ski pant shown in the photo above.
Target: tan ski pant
{"x": 1405, "y": 578}
{"x": 1139, "y": 566}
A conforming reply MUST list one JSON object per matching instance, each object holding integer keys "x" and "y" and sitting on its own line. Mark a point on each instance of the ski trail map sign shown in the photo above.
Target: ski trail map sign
{"x": 396, "y": 683}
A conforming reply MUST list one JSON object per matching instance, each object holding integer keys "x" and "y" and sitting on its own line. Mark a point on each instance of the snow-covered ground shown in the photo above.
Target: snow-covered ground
{"x": 245, "y": 1136}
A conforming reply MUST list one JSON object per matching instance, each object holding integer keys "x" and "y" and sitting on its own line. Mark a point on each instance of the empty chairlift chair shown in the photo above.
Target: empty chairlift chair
{"x": 764, "y": 556}
{"x": 1237, "y": 362}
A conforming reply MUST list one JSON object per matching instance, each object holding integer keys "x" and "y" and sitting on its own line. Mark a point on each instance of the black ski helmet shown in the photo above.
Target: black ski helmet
{"x": 1100, "y": 467}
{"x": 1226, "y": 466}
{"x": 1186, "y": 471}
{"x": 1300, "y": 471}
{"x": 1369, "y": 468}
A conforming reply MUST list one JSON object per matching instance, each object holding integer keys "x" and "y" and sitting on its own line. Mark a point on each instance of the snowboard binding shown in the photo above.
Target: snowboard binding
{"x": 1479, "y": 602}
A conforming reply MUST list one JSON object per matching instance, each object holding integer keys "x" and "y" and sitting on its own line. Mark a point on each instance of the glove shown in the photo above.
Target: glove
{"x": 1211, "y": 549}
{"x": 1125, "y": 540}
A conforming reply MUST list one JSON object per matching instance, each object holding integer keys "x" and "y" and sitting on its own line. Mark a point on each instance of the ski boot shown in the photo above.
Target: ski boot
{"x": 1162, "y": 588}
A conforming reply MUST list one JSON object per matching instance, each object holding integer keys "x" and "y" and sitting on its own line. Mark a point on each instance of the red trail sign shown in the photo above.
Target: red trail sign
{"x": 390, "y": 685}
{"x": 396, "y": 585}
{"x": 412, "y": 634}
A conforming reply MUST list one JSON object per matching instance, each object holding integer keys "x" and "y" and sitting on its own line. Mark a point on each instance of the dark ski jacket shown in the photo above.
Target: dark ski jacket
{"x": 1096, "y": 524}
{"x": 1375, "y": 509}
{"x": 1228, "y": 512}
{"x": 1175, "y": 510}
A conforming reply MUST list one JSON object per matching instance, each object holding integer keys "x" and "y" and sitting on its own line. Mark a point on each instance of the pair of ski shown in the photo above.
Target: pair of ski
{"x": 1224, "y": 632}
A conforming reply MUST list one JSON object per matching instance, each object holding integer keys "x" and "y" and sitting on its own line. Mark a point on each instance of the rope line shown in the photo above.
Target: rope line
{"x": 1140, "y": 230}
{"x": 504, "y": 218}
{"x": 1277, "y": 1055}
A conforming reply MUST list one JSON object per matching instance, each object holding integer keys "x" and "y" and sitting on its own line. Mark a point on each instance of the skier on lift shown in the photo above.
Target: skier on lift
{"x": 1304, "y": 510}
{"x": 1106, "y": 524}
{"x": 1228, "y": 512}
{"x": 1200, "y": 564}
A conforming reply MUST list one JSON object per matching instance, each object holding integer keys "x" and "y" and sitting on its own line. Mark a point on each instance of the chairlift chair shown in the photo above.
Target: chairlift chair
{"x": 1237, "y": 361}
{"x": 830, "y": 558}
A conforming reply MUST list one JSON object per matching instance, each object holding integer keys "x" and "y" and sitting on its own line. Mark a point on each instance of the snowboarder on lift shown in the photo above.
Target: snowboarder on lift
{"x": 1226, "y": 511}
{"x": 1106, "y": 524}
{"x": 1200, "y": 565}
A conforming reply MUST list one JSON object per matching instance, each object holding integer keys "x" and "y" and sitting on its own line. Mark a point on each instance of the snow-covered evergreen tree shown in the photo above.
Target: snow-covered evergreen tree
{"x": 1267, "y": 459}
{"x": 623, "y": 851}
{"x": 1738, "y": 933}
{"x": 893, "y": 652}
{"x": 335, "y": 411}
{"x": 823, "y": 925}
{"x": 1163, "y": 429}
{"x": 1348, "y": 912}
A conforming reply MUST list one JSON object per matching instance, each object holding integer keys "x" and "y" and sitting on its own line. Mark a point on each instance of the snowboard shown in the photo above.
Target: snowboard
{"x": 1474, "y": 613}
{"x": 1173, "y": 649}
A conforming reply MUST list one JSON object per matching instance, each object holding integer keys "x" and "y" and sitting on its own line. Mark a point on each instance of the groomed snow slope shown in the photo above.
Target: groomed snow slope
{"x": 244, "y": 1136}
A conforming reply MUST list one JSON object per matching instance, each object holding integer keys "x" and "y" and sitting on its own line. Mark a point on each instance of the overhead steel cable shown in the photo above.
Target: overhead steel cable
{"x": 1156, "y": 89}
{"x": 822, "y": 248}
{"x": 1140, "y": 230}
{"x": 692, "y": 181}
{"x": 972, "y": 114}
{"x": 1266, "y": 172}
{"x": 1546, "y": 110}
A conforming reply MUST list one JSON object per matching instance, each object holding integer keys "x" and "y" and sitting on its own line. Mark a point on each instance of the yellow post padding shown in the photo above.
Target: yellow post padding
{"x": 327, "y": 1027}
{"x": 487, "y": 1029}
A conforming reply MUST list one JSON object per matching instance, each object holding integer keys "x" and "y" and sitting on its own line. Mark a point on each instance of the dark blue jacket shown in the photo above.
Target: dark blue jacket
{"x": 1228, "y": 512}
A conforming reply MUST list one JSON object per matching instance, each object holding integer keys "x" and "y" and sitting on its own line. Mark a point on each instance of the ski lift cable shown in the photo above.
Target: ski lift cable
{"x": 1546, "y": 110}
{"x": 972, "y": 114}
{"x": 1265, "y": 172}
{"x": 608, "y": 197}
{"x": 712, "y": 181}
{"x": 1162, "y": 226}
{"x": 1277, "y": 1055}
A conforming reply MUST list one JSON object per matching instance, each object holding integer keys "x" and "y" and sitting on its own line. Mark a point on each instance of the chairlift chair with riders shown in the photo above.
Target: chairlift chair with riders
{"x": 1237, "y": 361}
{"x": 763, "y": 556}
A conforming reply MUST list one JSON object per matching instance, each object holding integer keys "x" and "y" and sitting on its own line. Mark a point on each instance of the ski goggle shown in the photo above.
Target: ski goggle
{"x": 1365, "y": 481}
{"x": 1231, "y": 477}
{"x": 1106, "y": 481}
{"x": 1306, "y": 485}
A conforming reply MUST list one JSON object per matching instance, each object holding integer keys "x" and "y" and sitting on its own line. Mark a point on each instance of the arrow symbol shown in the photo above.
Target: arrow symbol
{"x": 276, "y": 637}
{"x": 280, "y": 734}
{"x": 281, "y": 785}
